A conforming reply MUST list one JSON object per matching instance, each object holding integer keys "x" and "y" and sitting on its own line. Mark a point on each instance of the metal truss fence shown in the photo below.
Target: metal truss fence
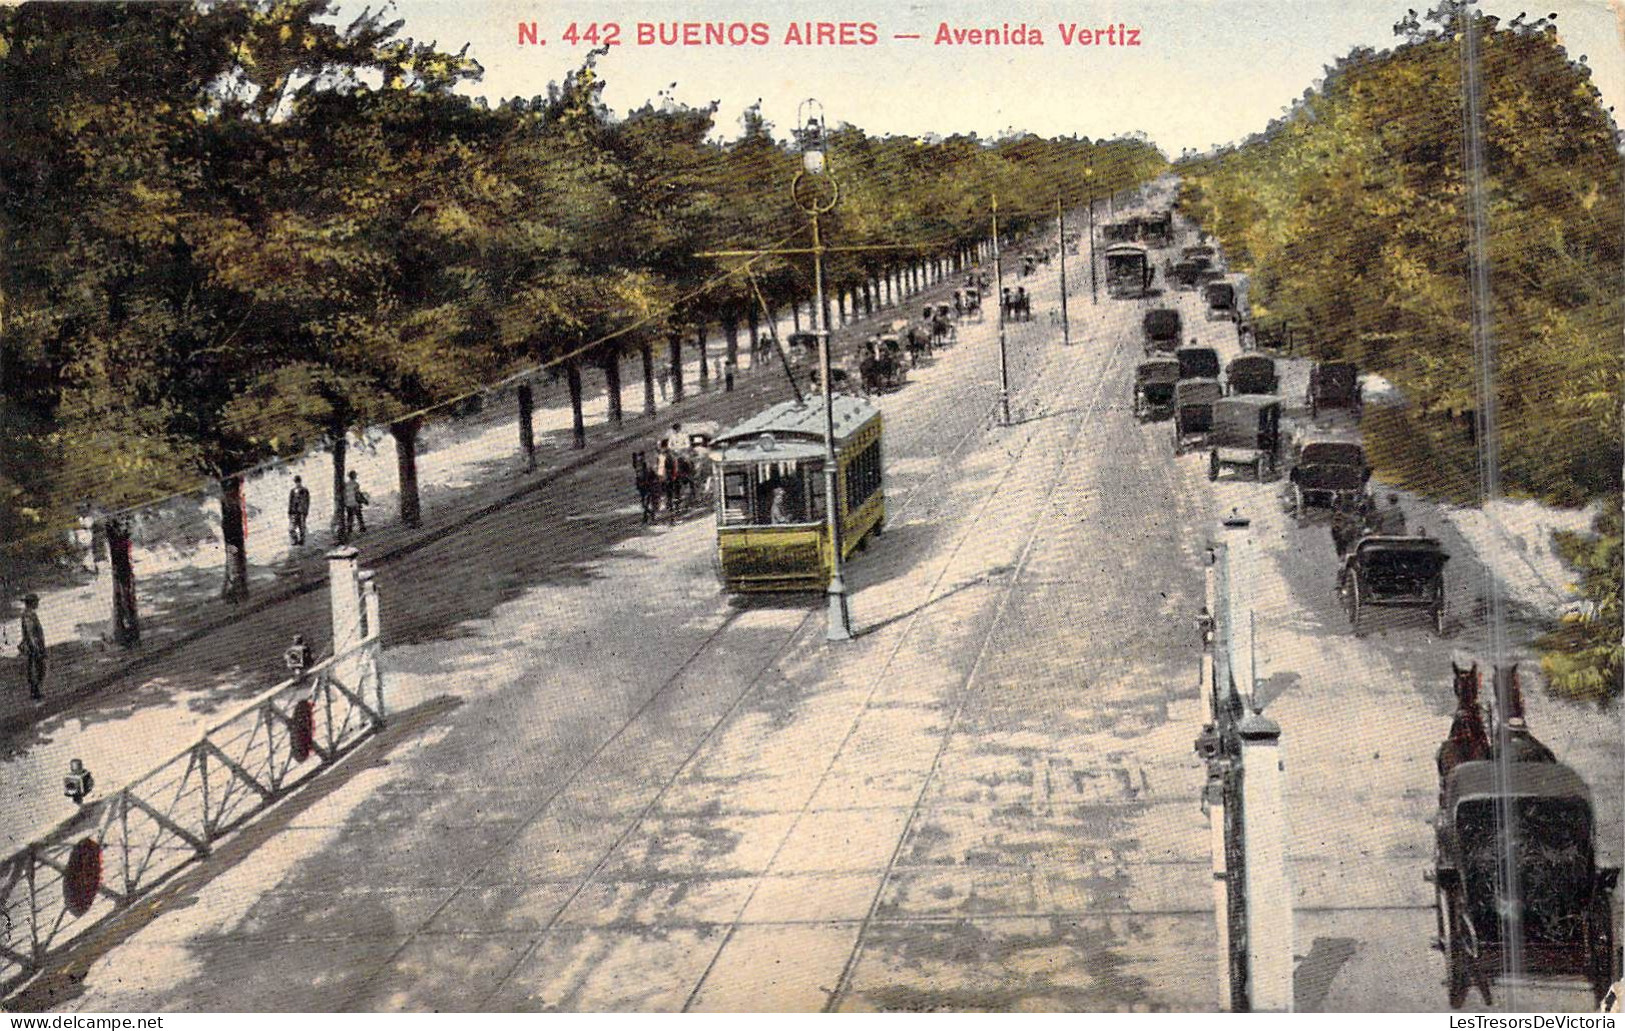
{"x": 118, "y": 849}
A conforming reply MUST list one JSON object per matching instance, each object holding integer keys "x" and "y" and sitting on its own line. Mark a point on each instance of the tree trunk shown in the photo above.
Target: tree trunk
{"x": 126, "y": 621}
{"x": 840, "y": 303}
{"x": 647, "y": 352}
{"x": 234, "y": 532}
{"x": 341, "y": 447}
{"x": 754, "y": 321}
{"x": 868, "y": 305}
{"x": 527, "y": 425}
{"x": 730, "y": 332}
{"x": 612, "y": 387}
{"x": 705, "y": 369}
{"x": 578, "y": 423}
{"x": 405, "y": 433}
{"x": 674, "y": 342}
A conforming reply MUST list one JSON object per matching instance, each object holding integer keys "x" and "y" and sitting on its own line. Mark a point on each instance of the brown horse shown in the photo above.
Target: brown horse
{"x": 1468, "y": 741}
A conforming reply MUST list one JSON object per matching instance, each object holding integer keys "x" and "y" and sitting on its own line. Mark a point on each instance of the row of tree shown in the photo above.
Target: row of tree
{"x": 1350, "y": 212}
{"x": 236, "y": 232}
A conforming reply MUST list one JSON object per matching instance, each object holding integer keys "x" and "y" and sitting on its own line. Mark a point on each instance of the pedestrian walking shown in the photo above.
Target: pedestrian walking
{"x": 32, "y": 647}
{"x": 298, "y": 511}
{"x": 355, "y": 500}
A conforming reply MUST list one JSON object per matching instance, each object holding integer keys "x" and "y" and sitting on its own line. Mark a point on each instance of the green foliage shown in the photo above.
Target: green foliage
{"x": 1584, "y": 657}
{"x": 1350, "y": 214}
{"x": 238, "y": 230}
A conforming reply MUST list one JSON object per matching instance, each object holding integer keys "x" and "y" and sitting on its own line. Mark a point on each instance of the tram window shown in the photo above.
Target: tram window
{"x": 863, "y": 476}
{"x": 814, "y": 473}
{"x": 736, "y": 497}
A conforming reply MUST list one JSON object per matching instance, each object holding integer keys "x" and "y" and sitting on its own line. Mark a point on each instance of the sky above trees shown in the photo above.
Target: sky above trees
{"x": 1206, "y": 72}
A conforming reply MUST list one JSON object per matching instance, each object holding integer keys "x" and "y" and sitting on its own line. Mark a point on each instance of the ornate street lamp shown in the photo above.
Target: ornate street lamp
{"x": 805, "y": 189}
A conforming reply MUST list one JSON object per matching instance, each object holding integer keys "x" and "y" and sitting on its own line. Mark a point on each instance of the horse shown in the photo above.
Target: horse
{"x": 1468, "y": 741}
{"x": 648, "y": 486}
{"x": 918, "y": 346}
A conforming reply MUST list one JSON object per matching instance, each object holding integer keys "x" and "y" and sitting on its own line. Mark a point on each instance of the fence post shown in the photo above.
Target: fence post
{"x": 1238, "y": 607}
{"x": 1269, "y": 893}
{"x": 344, "y": 598}
{"x": 375, "y": 626}
{"x": 1209, "y": 748}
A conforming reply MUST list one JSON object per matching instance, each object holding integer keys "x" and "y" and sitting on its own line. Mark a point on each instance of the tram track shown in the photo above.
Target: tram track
{"x": 943, "y": 464}
{"x": 963, "y": 693}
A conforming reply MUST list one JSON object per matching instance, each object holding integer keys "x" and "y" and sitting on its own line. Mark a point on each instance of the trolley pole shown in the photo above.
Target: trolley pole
{"x": 839, "y": 626}
{"x": 1060, "y": 218}
{"x": 1094, "y": 286}
{"x": 1004, "y": 361}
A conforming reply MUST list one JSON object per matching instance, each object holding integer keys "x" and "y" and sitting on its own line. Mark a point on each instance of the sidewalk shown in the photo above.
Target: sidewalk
{"x": 463, "y": 476}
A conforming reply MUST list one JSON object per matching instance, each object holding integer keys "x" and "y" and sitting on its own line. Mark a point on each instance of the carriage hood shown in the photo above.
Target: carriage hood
{"x": 1482, "y": 779}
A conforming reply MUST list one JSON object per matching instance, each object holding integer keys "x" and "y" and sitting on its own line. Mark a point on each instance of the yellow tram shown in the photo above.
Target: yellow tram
{"x": 772, "y": 529}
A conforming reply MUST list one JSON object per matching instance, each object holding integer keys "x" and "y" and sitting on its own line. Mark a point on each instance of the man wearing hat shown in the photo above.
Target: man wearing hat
{"x": 32, "y": 647}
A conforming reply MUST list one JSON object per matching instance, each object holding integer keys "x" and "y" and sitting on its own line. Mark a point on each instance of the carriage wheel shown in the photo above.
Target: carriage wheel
{"x": 1457, "y": 960}
{"x": 1258, "y": 468}
{"x": 1179, "y": 447}
{"x": 1297, "y": 504}
{"x": 1213, "y": 465}
{"x": 1600, "y": 946}
{"x": 1354, "y": 605}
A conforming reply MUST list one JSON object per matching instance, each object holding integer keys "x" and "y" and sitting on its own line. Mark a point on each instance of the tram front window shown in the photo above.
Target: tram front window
{"x": 772, "y": 494}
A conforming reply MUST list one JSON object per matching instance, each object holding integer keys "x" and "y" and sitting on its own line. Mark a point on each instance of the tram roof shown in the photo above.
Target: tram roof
{"x": 793, "y": 424}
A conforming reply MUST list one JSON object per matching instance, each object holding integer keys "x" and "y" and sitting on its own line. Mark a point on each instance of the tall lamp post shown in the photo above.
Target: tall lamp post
{"x": 1094, "y": 285}
{"x": 810, "y": 116}
{"x": 1060, "y": 218}
{"x": 998, "y": 284}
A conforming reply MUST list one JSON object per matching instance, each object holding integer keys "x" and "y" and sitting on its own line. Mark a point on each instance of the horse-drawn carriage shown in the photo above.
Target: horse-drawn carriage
{"x": 943, "y": 330}
{"x": 1162, "y": 330}
{"x": 1221, "y": 302}
{"x": 1514, "y": 853}
{"x": 1197, "y": 362}
{"x": 973, "y": 304}
{"x": 1158, "y": 230}
{"x": 1154, "y": 388}
{"x": 1246, "y": 433}
{"x": 802, "y": 339}
{"x": 1562, "y": 916}
{"x": 1184, "y": 274}
{"x": 1394, "y": 572}
{"x": 1334, "y": 385}
{"x": 882, "y": 367}
{"x": 1128, "y": 270}
{"x": 1118, "y": 232}
{"x": 1193, "y": 411}
{"x": 1016, "y": 305}
{"x": 1201, "y": 254}
{"x": 1328, "y": 474}
{"x": 1252, "y": 374}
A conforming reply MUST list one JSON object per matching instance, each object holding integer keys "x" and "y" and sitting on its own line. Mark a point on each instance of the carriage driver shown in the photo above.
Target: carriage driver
{"x": 1391, "y": 520}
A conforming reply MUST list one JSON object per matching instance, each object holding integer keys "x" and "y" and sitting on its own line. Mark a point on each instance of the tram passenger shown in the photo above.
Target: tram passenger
{"x": 779, "y": 511}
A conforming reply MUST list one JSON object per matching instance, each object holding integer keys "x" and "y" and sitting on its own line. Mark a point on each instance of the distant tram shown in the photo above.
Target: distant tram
{"x": 772, "y": 529}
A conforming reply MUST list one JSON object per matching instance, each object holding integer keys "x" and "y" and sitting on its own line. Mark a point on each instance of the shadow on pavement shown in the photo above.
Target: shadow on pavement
{"x": 61, "y": 984}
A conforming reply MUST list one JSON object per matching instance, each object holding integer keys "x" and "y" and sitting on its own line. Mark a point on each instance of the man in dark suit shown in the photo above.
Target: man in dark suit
{"x": 32, "y": 648}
